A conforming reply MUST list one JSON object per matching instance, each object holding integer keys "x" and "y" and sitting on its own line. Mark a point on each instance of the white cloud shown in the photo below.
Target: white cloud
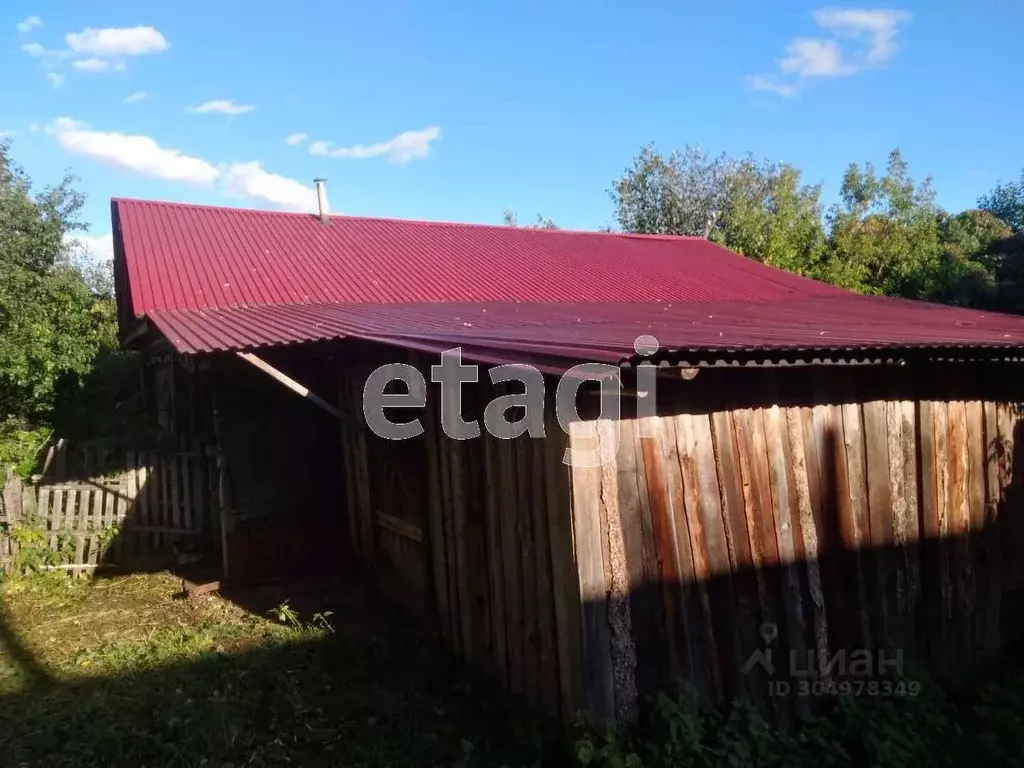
{"x": 97, "y": 66}
{"x": 771, "y": 84}
{"x": 250, "y": 180}
{"x": 36, "y": 51}
{"x": 878, "y": 27}
{"x": 96, "y": 248}
{"x": 55, "y": 80}
{"x": 294, "y": 139}
{"x": 222, "y": 107}
{"x": 136, "y": 97}
{"x": 406, "y": 146}
{"x": 27, "y": 25}
{"x": 809, "y": 57}
{"x": 140, "y": 154}
{"x": 114, "y": 41}
{"x": 873, "y": 36}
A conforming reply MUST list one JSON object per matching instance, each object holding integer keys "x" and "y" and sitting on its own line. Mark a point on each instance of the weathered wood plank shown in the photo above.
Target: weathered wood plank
{"x": 881, "y": 583}
{"x": 598, "y": 673}
{"x": 545, "y": 594}
{"x": 785, "y": 501}
{"x": 741, "y": 559}
{"x": 528, "y": 571}
{"x": 808, "y": 533}
{"x": 511, "y": 563}
{"x": 619, "y": 564}
{"x": 495, "y": 566}
{"x": 990, "y": 581}
{"x": 974, "y": 459}
{"x": 641, "y": 571}
{"x": 565, "y": 584}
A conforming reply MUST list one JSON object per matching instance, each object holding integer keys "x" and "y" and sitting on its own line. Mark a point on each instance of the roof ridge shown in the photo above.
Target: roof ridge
{"x": 422, "y": 222}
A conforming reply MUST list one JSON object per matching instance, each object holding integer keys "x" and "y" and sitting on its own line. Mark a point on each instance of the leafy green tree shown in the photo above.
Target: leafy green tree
{"x": 682, "y": 194}
{"x": 884, "y": 234}
{"x": 1006, "y": 202}
{"x": 770, "y": 216}
{"x": 51, "y": 324}
{"x": 757, "y": 208}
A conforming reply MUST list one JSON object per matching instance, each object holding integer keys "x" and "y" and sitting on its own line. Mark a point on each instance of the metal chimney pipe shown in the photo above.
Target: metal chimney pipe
{"x": 321, "y": 198}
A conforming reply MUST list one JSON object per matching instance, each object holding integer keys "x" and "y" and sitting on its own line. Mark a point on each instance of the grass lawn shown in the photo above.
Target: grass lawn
{"x": 118, "y": 672}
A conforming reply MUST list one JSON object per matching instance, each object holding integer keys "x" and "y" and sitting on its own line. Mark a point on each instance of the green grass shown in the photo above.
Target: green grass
{"x": 117, "y": 672}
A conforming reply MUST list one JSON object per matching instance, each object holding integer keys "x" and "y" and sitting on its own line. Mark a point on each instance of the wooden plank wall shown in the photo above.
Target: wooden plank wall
{"x": 485, "y": 530}
{"x": 815, "y": 511}
{"x": 154, "y": 498}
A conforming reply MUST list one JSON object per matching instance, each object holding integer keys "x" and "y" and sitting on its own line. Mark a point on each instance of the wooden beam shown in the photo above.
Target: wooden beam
{"x": 289, "y": 382}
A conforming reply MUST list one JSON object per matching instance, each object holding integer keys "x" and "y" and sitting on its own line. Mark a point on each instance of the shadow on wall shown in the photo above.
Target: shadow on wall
{"x": 782, "y": 554}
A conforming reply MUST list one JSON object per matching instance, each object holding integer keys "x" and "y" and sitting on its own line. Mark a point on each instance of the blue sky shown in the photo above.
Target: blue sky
{"x": 457, "y": 111}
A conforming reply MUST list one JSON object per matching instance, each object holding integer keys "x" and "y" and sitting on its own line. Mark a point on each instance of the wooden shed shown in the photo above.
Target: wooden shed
{"x": 798, "y": 478}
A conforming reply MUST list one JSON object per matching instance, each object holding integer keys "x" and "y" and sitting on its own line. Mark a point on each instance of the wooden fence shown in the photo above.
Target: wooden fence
{"x": 91, "y": 507}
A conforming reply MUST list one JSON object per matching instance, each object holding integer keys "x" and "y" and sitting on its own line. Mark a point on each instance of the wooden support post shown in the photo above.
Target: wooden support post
{"x": 289, "y": 382}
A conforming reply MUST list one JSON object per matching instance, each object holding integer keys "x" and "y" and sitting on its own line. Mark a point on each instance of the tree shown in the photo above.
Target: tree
{"x": 1006, "y": 202}
{"x": 768, "y": 215}
{"x": 884, "y": 235}
{"x": 51, "y": 324}
{"x": 757, "y": 208}
{"x": 510, "y": 220}
{"x": 682, "y": 194}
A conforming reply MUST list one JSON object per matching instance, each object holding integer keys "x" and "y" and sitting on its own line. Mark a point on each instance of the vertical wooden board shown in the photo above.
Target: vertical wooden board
{"x": 949, "y": 439}
{"x": 910, "y": 431}
{"x": 184, "y": 469}
{"x": 725, "y": 646}
{"x": 901, "y": 616}
{"x": 528, "y": 570}
{"x": 760, "y": 524}
{"x": 474, "y": 499}
{"x": 990, "y": 584}
{"x": 706, "y": 658}
{"x": 511, "y": 563}
{"x": 348, "y": 465}
{"x": 782, "y": 478}
{"x": 495, "y": 566}
{"x": 56, "y": 522}
{"x": 545, "y": 591}
{"x": 457, "y": 502}
{"x": 436, "y": 521}
{"x": 933, "y": 435}
{"x": 686, "y": 615}
{"x": 856, "y": 519}
{"x": 597, "y": 671}
{"x": 959, "y": 530}
{"x": 975, "y": 457}
{"x": 881, "y": 588}
{"x": 808, "y": 533}
{"x": 619, "y": 565}
{"x": 635, "y": 526}
{"x": 113, "y": 553}
{"x": 743, "y": 576}
{"x": 565, "y": 581}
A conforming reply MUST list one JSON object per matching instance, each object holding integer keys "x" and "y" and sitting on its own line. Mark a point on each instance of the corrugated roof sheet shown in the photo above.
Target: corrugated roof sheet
{"x": 559, "y": 335}
{"x": 218, "y": 279}
{"x": 196, "y": 257}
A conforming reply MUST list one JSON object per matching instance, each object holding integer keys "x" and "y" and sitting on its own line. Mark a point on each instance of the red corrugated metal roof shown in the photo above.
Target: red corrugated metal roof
{"x": 196, "y": 257}
{"x": 558, "y": 334}
{"x": 215, "y": 279}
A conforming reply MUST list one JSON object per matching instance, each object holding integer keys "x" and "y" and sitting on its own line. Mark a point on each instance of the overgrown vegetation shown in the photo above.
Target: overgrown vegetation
{"x": 118, "y": 672}
{"x": 56, "y": 313}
